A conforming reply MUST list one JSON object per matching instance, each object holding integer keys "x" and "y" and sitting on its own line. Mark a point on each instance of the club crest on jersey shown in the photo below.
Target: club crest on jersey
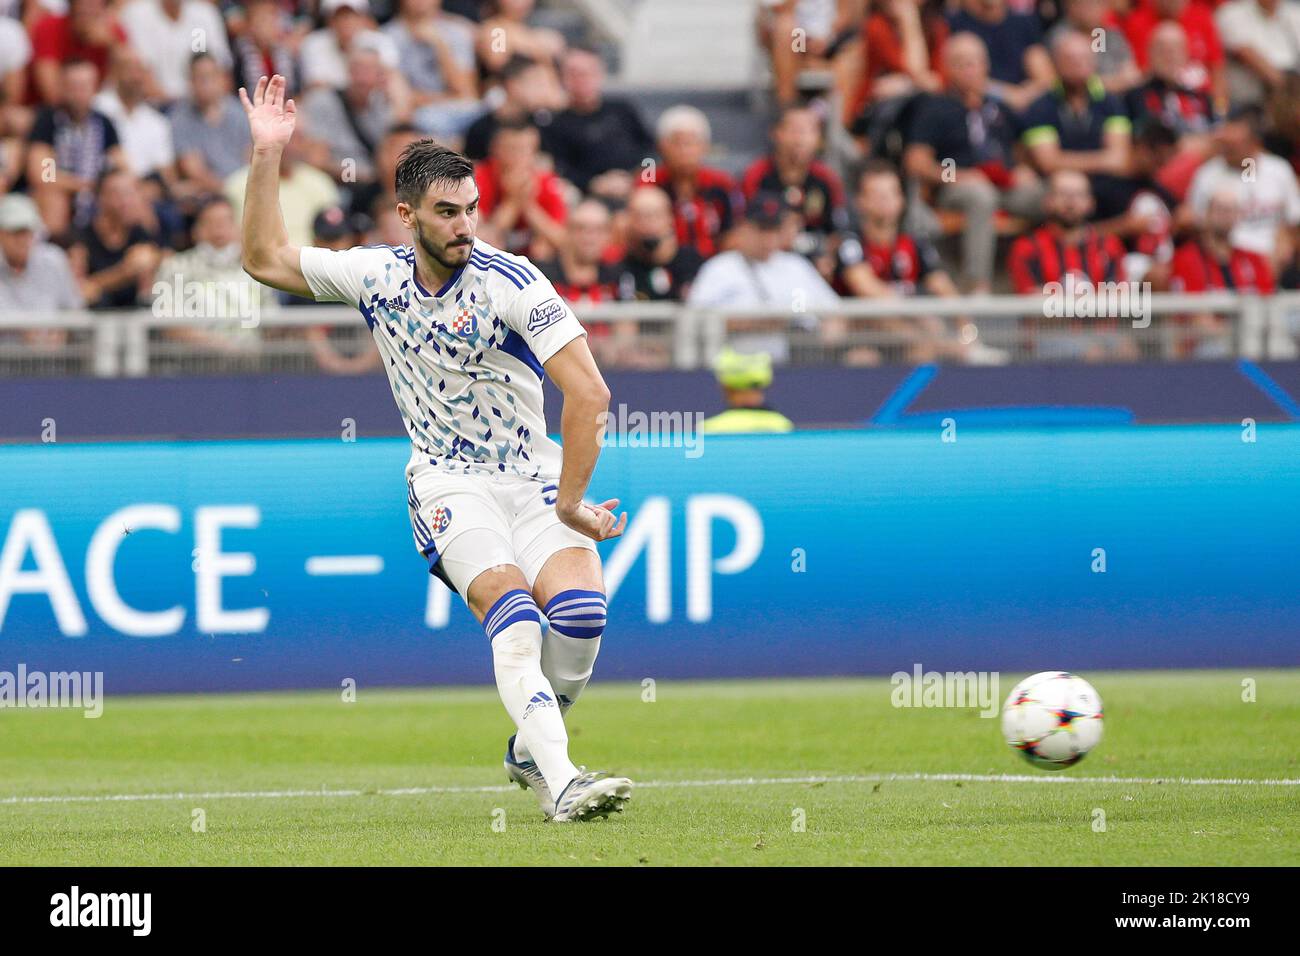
{"x": 465, "y": 322}
{"x": 440, "y": 521}
{"x": 548, "y": 313}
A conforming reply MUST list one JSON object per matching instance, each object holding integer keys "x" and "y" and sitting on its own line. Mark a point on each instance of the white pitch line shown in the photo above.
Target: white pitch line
{"x": 323, "y": 564}
{"x": 659, "y": 784}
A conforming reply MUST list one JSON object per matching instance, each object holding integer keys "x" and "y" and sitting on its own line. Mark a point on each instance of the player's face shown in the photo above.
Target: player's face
{"x": 445, "y": 222}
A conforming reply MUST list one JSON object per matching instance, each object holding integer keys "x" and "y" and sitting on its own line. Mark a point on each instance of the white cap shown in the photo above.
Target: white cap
{"x": 331, "y": 7}
{"x": 17, "y": 212}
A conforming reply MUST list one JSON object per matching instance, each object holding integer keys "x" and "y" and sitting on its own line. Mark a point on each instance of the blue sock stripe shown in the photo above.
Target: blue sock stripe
{"x": 572, "y": 595}
{"x": 511, "y": 608}
{"x": 503, "y": 609}
{"x": 577, "y": 613}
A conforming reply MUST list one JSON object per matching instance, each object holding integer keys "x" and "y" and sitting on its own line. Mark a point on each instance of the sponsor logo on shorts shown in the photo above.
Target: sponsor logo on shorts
{"x": 549, "y": 492}
{"x": 441, "y": 520}
{"x": 548, "y": 313}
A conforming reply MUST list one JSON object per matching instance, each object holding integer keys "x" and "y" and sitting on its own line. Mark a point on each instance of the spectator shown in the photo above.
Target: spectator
{"x": 579, "y": 271}
{"x": 758, "y": 272}
{"x": 1079, "y": 126}
{"x": 34, "y": 275}
{"x": 354, "y": 120}
{"x": 803, "y": 35}
{"x": 15, "y": 118}
{"x": 810, "y": 187}
{"x": 436, "y": 54}
{"x": 902, "y": 44}
{"x": 209, "y": 128}
{"x": 1204, "y": 69}
{"x": 960, "y": 152}
{"x": 522, "y": 86}
{"x": 505, "y": 32}
{"x": 705, "y": 200}
{"x": 1163, "y": 98}
{"x": 305, "y": 191}
{"x": 71, "y": 145}
{"x": 368, "y": 195}
{"x": 1146, "y": 225}
{"x": 114, "y": 255}
{"x": 597, "y": 140}
{"x": 86, "y": 33}
{"x": 884, "y": 262}
{"x": 1211, "y": 261}
{"x": 214, "y": 263}
{"x": 1067, "y": 246}
{"x": 519, "y": 202}
{"x": 1262, "y": 41}
{"x": 1187, "y": 111}
{"x": 1021, "y": 69}
{"x": 1096, "y": 20}
{"x": 323, "y": 55}
{"x": 659, "y": 266}
{"x": 144, "y": 133}
{"x": 266, "y": 47}
{"x": 745, "y": 379}
{"x": 580, "y": 274}
{"x": 1269, "y": 208}
{"x": 167, "y": 34}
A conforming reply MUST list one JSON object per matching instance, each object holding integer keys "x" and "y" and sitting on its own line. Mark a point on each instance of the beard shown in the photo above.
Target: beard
{"x": 447, "y": 256}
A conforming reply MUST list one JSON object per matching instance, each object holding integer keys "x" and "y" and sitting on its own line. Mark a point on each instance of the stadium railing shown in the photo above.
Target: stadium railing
{"x": 988, "y": 329}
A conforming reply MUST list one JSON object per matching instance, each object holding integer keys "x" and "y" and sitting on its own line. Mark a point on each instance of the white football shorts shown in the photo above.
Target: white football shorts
{"x": 467, "y": 523}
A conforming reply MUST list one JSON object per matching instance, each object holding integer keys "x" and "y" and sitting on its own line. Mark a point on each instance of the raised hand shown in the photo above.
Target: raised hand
{"x": 270, "y": 118}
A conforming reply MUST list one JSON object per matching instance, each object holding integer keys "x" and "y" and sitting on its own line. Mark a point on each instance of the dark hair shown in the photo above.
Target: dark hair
{"x": 210, "y": 200}
{"x": 1153, "y": 133}
{"x": 424, "y": 163}
{"x": 877, "y": 167}
{"x": 199, "y": 57}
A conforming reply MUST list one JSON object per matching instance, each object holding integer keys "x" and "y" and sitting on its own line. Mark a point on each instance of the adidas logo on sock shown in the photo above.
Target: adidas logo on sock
{"x": 540, "y": 699}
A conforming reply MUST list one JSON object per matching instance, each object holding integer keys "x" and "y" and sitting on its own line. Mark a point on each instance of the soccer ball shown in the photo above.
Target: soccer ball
{"x": 1053, "y": 719}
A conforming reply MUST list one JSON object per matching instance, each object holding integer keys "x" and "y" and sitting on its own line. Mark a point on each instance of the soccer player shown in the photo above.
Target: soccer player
{"x": 466, "y": 333}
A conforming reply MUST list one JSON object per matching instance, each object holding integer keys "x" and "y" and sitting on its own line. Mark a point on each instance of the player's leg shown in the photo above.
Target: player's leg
{"x": 460, "y": 525}
{"x": 498, "y": 596}
{"x": 570, "y": 590}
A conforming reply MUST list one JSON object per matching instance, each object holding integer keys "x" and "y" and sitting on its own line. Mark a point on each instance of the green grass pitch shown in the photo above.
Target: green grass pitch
{"x": 414, "y": 777}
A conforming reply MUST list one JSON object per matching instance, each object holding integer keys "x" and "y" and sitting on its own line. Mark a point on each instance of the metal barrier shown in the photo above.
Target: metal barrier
{"x": 977, "y": 329}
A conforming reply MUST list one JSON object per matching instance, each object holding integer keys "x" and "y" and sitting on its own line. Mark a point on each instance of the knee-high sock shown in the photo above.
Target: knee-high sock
{"x": 569, "y": 649}
{"x": 514, "y": 626}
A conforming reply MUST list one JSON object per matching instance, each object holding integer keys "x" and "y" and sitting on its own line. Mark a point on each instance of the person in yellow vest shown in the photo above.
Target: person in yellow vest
{"x": 743, "y": 378}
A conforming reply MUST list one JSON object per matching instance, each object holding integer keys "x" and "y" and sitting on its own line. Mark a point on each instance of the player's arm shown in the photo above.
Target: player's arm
{"x": 582, "y": 422}
{"x": 268, "y": 255}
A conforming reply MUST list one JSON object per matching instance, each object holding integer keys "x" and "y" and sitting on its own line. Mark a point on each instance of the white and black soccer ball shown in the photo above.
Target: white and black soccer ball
{"x": 1053, "y": 719}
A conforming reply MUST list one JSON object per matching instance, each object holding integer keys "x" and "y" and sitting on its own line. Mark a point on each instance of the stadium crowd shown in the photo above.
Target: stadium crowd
{"x": 1107, "y": 140}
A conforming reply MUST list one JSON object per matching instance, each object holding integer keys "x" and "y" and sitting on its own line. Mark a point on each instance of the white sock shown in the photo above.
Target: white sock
{"x": 572, "y": 642}
{"x": 514, "y": 626}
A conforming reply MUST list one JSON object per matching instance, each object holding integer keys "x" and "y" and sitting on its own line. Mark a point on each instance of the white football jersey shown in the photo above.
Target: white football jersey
{"x": 465, "y": 361}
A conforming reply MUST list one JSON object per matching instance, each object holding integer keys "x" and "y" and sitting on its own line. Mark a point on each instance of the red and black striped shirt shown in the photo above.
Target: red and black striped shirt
{"x": 707, "y": 214}
{"x": 1196, "y": 269}
{"x": 819, "y": 199}
{"x": 1042, "y": 257}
